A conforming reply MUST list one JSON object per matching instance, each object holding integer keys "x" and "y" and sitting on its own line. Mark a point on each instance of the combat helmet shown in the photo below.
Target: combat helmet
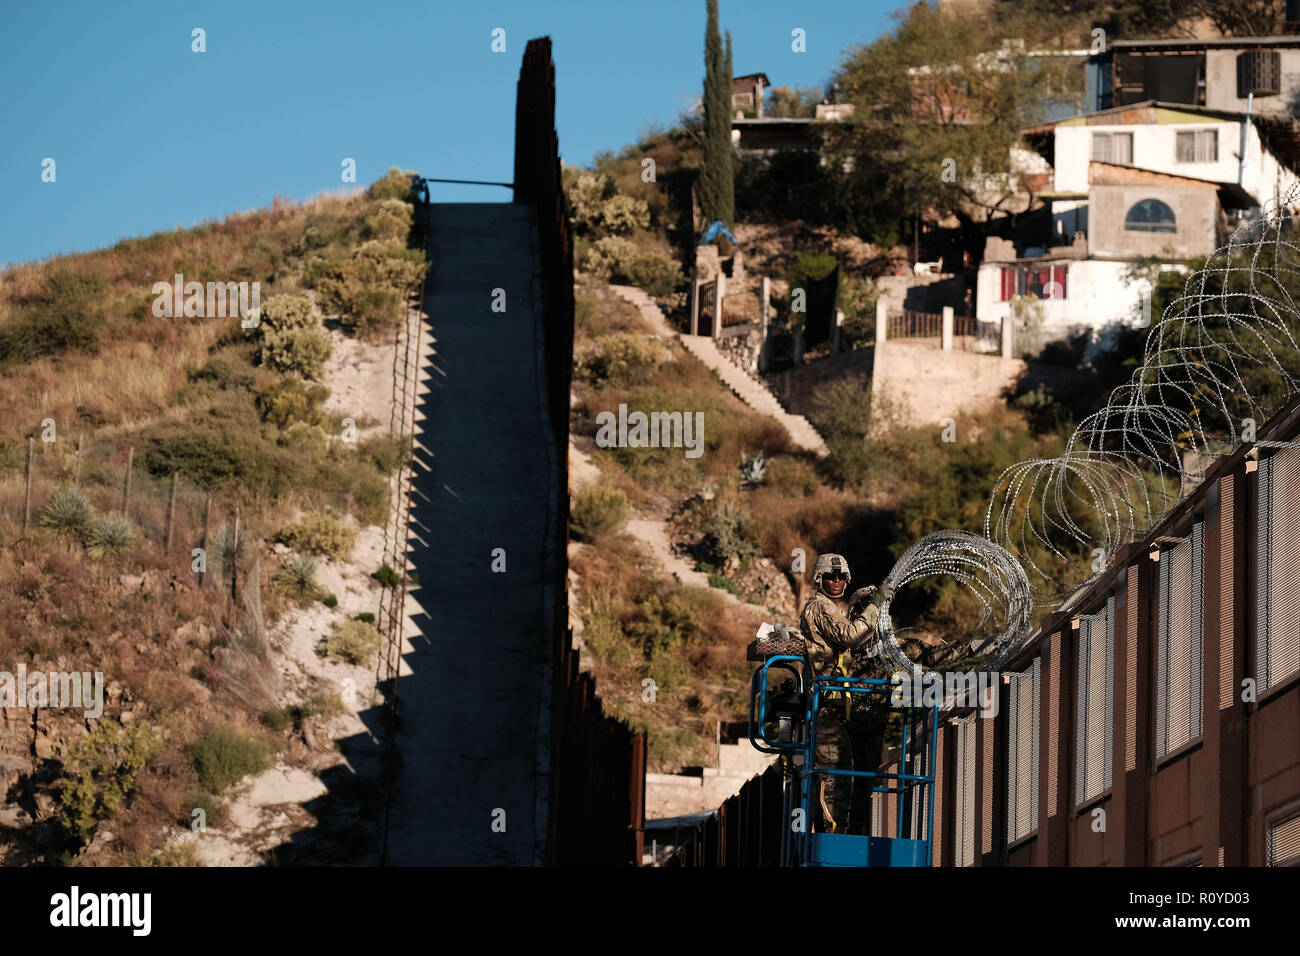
{"x": 830, "y": 563}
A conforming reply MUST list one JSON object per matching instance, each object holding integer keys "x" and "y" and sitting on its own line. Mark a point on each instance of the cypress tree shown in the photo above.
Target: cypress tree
{"x": 728, "y": 173}
{"x": 716, "y": 190}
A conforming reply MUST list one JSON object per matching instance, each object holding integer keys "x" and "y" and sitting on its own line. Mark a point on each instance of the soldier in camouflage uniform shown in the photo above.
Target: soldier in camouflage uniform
{"x": 836, "y": 634}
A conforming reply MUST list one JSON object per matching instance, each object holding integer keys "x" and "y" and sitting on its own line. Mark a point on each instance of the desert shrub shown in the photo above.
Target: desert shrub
{"x": 622, "y": 357}
{"x": 728, "y": 529}
{"x": 222, "y": 374}
{"x": 67, "y": 512}
{"x": 367, "y": 616}
{"x": 280, "y": 313}
{"x": 376, "y": 312}
{"x": 321, "y": 705}
{"x": 597, "y": 511}
{"x": 111, "y": 536}
{"x": 655, "y": 274}
{"x": 306, "y": 442}
{"x": 386, "y": 576}
{"x": 290, "y": 338}
{"x": 12, "y": 456}
{"x": 103, "y": 770}
{"x": 292, "y": 400}
{"x": 623, "y": 214}
{"x": 369, "y": 290}
{"x": 792, "y": 477}
{"x": 841, "y": 413}
{"x": 586, "y": 200}
{"x": 586, "y": 318}
{"x": 387, "y": 451}
{"x": 610, "y": 257}
{"x": 616, "y": 259}
{"x": 321, "y": 534}
{"x": 198, "y": 800}
{"x": 211, "y": 455}
{"x": 331, "y": 601}
{"x": 388, "y": 219}
{"x": 356, "y": 485}
{"x": 279, "y": 719}
{"x": 353, "y": 641}
{"x": 65, "y": 314}
{"x": 389, "y": 264}
{"x": 395, "y": 184}
{"x": 180, "y": 853}
{"x": 301, "y": 351}
{"x": 298, "y": 577}
{"x": 225, "y": 756}
{"x": 662, "y": 619}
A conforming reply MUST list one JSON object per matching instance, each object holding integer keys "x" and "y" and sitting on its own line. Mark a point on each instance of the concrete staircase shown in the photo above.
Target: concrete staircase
{"x": 749, "y": 390}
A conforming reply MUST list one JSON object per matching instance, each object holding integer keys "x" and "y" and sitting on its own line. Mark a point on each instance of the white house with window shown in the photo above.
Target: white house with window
{"x": 1147, "y": 181}
{"x": 1186, "y": 141}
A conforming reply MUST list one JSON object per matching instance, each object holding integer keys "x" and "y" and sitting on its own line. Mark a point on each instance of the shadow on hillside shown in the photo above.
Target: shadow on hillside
{"x": 350, "y": 814}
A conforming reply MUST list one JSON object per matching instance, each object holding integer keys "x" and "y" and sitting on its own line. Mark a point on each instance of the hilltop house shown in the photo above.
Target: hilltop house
{"x": 747, "y": 93}
{"x": 1221, "y": 73}
{"x": 765, "y": 135}
{"x": 1142, "y": 180}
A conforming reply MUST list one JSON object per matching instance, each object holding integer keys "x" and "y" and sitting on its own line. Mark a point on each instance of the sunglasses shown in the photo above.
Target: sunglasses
{"x": 836, "y": 576}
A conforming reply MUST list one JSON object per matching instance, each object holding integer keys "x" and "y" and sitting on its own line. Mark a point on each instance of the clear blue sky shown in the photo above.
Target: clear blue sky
{"x": 146, "y": 134}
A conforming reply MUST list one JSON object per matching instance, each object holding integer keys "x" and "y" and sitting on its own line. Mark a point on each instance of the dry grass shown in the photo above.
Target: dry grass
{"x": 171, "y": 651}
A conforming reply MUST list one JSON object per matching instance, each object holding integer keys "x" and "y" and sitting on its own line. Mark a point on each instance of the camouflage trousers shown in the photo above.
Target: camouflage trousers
{"x": 833, "y": 794}
{"x": 847, "y": 744}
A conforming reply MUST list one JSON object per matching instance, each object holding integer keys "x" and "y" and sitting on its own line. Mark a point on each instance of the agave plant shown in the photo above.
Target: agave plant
{"x": 110, "y": 537}
{"x": 298, "y": 577}
{"x": 753, "y": 470}
{"x": 67, "y": 512}
{"x": 228, "y": 549}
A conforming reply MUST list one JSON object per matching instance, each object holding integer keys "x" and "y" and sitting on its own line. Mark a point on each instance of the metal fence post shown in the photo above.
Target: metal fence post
{"x": 207, "y": 521}
{"x": 76, "y": 468}
{"x": 234, "y": 560}
{"x": 171, "y": 512}
{"x": 126, "y": 490}
{"x": 27, "y": 500}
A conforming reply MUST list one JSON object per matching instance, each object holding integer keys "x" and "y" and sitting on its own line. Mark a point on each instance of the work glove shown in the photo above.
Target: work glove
{"x": 859, "y": 599}
{"x": 883, "y": 594}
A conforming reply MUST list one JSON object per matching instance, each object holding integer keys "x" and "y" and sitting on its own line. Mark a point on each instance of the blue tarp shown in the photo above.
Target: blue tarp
{"x": 715, "y": 230}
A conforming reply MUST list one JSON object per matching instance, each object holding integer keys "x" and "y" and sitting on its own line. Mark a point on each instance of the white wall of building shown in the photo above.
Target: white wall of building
{"x": 1155, "y": 148}
{"x": 1097, "y": 294}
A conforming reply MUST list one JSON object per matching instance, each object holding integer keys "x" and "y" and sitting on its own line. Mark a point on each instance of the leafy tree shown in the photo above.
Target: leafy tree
{"x": 940, "y": 100}
{"x": 1121, "y": 19}
{"x": 1151, "y": 19}
{"x": 799, "y": 102}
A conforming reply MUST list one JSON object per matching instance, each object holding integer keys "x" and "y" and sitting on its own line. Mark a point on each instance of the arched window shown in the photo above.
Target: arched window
{"x": 1150, "y": 215}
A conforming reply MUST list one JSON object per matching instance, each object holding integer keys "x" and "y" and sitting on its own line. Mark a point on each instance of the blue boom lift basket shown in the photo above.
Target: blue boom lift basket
{"x": 791, "y": 710}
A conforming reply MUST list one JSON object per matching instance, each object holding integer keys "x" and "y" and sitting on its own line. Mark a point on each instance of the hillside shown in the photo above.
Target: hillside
{"x": 233, "y": 651}
{"x": 653, "y": 525}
